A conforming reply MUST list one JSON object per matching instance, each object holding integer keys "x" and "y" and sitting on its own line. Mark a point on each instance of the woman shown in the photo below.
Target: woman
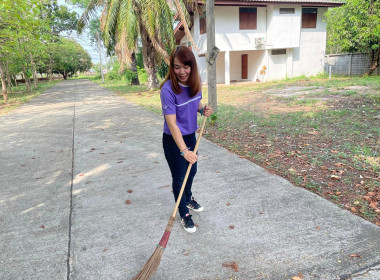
{"x": 181, "y": 100}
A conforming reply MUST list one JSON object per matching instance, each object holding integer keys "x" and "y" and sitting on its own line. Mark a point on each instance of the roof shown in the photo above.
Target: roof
{"x": 314, "y": 3}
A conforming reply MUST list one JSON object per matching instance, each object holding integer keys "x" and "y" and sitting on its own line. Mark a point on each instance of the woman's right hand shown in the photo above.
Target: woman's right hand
{"x": 190, "y": 156}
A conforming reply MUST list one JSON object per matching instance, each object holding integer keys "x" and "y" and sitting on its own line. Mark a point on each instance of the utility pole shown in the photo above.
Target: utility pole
{"x": 212, "y": 53}
{"x": 100, "y": 56}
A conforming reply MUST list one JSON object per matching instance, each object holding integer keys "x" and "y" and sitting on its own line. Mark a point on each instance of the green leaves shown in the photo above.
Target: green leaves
{"x": 354, "y": 27}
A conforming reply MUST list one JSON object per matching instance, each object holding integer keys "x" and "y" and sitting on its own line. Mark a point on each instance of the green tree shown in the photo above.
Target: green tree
{"x": 355, "y": 27}
{"x": 124, "y": 21}
{"x": 60, "y": 20}
{"x": 21, "y": 30}
{"x": 69, "y": 58}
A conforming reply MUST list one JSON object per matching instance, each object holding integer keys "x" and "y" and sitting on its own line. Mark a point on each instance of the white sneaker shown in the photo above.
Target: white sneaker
{"x": 188, "y": 224}
{"x": 195, "y": 206}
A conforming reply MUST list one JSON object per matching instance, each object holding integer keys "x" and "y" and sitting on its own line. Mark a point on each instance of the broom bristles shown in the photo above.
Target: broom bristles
{"x": 154, "y": 261}
{"x": 151, "y": 265}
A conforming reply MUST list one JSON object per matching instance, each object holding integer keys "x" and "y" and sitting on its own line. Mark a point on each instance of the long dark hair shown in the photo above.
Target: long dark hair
{"x": 185, "y": 56}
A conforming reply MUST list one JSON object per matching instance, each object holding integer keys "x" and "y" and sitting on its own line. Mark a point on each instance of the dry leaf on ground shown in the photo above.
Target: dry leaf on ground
{"x": 232, "y": 265}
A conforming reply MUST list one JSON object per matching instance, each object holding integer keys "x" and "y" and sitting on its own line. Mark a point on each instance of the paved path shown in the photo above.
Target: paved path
{"x": 68, "y": 159}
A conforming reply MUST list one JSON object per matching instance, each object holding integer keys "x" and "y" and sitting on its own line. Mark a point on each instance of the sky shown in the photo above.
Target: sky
{"x": 83, "y": 39}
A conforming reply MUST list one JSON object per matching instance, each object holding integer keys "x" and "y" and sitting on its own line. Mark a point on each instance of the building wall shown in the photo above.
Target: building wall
{"x": 277, "y": 66}
{"x": 227, "y": 33}
{"x": 283, "y": 29}
{"x": 305, "y": 48}
{"x": 308, "y": 59}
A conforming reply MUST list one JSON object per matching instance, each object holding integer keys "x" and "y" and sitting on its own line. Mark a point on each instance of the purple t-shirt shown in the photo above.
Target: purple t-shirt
{"x": 182, "y": 105}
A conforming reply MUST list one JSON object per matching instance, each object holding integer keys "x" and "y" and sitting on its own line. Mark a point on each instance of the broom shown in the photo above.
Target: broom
{"x": 154, "y": 261}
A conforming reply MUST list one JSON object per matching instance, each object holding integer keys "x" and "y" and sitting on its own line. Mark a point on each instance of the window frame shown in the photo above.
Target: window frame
{"x": 202, "y": 23}
{"x": 310, "y": 18}
{"x": 287, "y": 11}
{"x": 247, "y": 18}
{"x": 278, "y": 52}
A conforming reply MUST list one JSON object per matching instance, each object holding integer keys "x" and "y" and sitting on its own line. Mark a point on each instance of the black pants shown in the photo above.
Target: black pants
{"x": 178, "y": 166}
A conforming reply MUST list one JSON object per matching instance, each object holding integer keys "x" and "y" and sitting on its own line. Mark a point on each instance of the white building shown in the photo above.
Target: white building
{"x": 263, "y": 40}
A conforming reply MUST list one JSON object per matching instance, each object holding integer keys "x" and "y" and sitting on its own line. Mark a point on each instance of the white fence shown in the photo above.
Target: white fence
{"x": 352, "y": 64}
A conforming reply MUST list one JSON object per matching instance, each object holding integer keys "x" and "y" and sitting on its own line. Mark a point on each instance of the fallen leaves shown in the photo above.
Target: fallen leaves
{"x": 314, "y": 132}
{"x": 373, "y": 205}
{"x": 232, "y": 265}
{"x": 128, "y": 201}
{"x": 321, "y": 162}
{"x": 231, "y": 227}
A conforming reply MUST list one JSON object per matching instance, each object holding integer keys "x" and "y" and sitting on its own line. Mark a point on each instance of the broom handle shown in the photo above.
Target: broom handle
{"x": 189, "y": 168}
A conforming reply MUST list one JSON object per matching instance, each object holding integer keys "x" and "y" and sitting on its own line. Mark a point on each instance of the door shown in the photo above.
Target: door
{"x": 244, "y": 66}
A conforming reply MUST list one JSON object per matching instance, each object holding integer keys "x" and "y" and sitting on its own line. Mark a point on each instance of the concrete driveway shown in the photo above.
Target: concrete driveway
{"x": 85, "y": 194}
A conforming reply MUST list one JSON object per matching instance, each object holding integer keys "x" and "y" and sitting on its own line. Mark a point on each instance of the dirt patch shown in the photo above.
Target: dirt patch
{"x": 330, "y": 146}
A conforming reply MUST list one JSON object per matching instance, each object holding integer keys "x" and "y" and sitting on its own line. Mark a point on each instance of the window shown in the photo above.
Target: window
{"x": 247, "y": 18}
{"x": 279, "y": 51}
{"x": 309, "y": 17}
{"x": 286, "y": 10}
{"x": 202, "y": 23}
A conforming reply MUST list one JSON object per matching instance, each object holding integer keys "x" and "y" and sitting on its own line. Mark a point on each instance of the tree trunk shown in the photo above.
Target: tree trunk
{"x": 3, "y": 83}
{"x": 34, "y": 70}
{"x": 50, "y": 70}
{"x": 27, "y": 81}
{"x": 8, "y": 77}
{"x": 149, "y": 57}
{"x": 135, "y": 78}
{"x": 374, "y": 62}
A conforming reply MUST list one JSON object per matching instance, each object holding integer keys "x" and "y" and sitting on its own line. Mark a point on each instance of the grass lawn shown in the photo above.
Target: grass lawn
{"x": 20, "y": 95}
{"x": 322, "y": 135}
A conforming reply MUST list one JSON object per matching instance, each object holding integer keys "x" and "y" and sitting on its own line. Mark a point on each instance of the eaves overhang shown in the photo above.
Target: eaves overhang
{"x": 311, "y": 3}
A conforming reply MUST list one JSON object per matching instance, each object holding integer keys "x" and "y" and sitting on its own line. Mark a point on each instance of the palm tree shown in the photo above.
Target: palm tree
{"x": 124, "y": 21}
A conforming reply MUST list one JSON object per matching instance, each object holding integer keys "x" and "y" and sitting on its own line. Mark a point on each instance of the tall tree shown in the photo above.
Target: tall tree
{"x": 20, "y": 27}
{"x": 122, "y": 21}
{"x": 69, "y": 57}
{"x": 355, "y": 27}
{"x": 60, "y": 20}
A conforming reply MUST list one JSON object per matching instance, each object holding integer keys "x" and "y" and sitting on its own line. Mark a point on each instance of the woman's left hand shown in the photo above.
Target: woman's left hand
{"x": 207, "y": 111}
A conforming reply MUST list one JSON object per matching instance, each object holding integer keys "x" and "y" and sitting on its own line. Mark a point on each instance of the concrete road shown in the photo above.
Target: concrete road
{"x": 71, "y": 159}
